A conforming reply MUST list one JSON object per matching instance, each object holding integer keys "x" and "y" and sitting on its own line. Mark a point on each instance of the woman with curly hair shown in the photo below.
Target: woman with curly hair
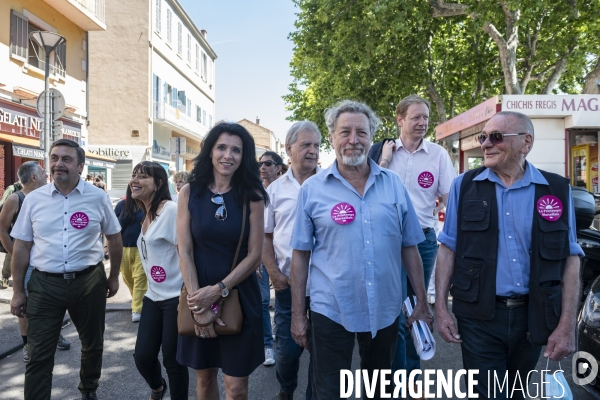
{"x": 225, "y": 182}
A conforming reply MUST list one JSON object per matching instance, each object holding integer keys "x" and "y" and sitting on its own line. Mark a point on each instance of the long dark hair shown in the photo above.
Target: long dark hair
{"x": 246, "y": 179}
{"x": 159, "y": 175}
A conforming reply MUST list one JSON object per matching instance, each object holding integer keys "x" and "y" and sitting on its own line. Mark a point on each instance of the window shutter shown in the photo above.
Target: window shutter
{"x": 174, "y": 97}
{"x": 169, "y": 25}
{"x": 60, "y": 59}
{"x": 19, "y": 36}
{"x": 158, "y": 16}
{"x": 166, "y": 93}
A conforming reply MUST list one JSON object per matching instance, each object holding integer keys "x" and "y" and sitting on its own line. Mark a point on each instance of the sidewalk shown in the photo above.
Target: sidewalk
{"x": 10, "y": 340}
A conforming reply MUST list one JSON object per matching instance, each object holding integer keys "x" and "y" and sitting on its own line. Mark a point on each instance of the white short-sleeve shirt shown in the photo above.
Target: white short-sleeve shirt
{"x": 160, "y": 259}
{"x": 427, "y": 173}
{"x": 280, "y": 216}
{"x": 65, "y": 230}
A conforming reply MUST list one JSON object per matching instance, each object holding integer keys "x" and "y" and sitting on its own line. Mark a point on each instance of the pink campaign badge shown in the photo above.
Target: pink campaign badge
{"x": 550, "y": 207}
{"x": 425, "y": 179}
{"x": 79, "y": 220}
{"x": 158, "y": 274}
{"x": 343, "y": 213}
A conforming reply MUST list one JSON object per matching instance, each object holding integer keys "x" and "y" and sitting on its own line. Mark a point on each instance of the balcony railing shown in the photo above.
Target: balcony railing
{"x": 164, "y": 112}
{"x": 87, "y": 14}
{"x": 96, "y": 7}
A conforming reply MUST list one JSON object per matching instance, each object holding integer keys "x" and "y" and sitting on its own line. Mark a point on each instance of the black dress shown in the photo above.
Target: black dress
{"x": 215, "y": 243}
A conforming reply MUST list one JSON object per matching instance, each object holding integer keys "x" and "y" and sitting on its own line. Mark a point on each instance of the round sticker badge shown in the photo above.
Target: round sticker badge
{"x": 550, "y": 207}
{"x": 343, "y": 213}
{"x": 425, "y": 179}
{"x": 158, "y": 274}
{"x": 79, "y": 220}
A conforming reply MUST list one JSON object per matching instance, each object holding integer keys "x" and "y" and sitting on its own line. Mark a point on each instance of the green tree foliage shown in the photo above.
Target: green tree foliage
{"x": 379, "y": 51}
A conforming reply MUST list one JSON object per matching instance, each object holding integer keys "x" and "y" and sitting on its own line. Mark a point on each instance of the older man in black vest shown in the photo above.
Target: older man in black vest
{"x": 509, "y": 257}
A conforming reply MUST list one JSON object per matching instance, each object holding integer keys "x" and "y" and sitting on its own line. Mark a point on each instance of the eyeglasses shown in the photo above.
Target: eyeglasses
{"x": 267, "y": 163}
{"x": 221, "y": 213}
{"x": 497, "y": 137}
{"x": 144, "y": 252}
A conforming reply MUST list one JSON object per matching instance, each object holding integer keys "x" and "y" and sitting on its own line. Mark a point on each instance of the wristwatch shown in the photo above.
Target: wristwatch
{"x": 224, "y": 290}
{"x": 385, "y": 159}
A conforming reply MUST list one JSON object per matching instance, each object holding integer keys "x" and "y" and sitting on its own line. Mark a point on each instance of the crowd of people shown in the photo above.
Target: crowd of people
{"x": 342, "y": 247}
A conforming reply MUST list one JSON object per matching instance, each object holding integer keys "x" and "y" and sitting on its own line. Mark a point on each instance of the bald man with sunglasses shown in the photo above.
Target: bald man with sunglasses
{"x": 510, "y": 259}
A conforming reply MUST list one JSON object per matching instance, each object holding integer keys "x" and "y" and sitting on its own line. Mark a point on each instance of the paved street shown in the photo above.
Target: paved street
{"x": 120, "y": 379}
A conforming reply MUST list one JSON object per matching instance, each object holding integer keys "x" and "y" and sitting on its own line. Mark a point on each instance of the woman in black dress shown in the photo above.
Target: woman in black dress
{"x": 209, "y": 223}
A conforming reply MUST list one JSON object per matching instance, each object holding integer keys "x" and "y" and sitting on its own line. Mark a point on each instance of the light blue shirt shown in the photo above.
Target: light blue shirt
{"x": 355, "y": 268}
{"x": 515, "y": 218}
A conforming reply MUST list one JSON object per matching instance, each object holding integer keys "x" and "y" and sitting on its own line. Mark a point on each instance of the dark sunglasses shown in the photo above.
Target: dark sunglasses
{"x": 497, "y": 137}
{"x": 144, "y": 252}
{"x": 221, "y": 213}
{"x": 267, "y": 163}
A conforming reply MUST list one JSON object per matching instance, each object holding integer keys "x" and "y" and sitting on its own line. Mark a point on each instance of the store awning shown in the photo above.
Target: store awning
{"x": 30, "y": 148}
{"x": 24, "y": 147}
{"x": 94, "y": 160}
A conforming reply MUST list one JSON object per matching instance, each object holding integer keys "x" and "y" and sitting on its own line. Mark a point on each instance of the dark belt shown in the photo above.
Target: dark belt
{"x": 69, "y": 275}
{"x": 513, "y": 301}
{"x": 427, "y": 230}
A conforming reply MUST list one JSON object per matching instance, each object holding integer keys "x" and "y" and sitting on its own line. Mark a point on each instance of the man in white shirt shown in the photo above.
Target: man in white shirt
{"x": 270, "y": 165}
{"x": 302, "y": 146}
{"x": 58, "y": 232}
{"x": 427, "y": 173}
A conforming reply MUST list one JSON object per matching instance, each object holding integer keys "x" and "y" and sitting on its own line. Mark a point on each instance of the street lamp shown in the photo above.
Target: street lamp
{"x": 48, "y": 41}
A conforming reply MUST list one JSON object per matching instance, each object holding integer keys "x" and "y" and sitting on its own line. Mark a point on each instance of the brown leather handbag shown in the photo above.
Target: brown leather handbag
{"x": 230, "y": 309}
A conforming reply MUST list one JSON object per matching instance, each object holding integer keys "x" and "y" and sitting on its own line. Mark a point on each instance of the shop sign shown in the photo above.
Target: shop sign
{"x": 580, "y": 110}
{"x": 28, "y": 152}
{"x": 110, "y": 152}
{"x": 19, "y": 123}
{"x": 480, "y": 113}
{"x": 551, "y": 105}
{"x": 99, "y": 163}
{"x": 469, "y": 143}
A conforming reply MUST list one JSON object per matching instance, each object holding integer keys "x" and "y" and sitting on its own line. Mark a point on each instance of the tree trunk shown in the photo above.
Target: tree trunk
{"x": 592, "y": 80}
{"x": 439, "y": 102}
{"x": 561, "y": 65}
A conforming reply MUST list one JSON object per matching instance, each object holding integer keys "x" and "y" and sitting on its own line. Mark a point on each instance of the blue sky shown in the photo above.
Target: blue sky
{"x": 253, "y": 50}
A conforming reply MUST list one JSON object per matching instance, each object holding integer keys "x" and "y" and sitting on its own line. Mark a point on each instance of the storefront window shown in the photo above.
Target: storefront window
{"x": 475, "y": 162}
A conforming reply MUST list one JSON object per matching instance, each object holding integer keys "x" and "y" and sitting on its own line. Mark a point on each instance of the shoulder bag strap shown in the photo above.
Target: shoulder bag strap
{"x": 239, "y": 246}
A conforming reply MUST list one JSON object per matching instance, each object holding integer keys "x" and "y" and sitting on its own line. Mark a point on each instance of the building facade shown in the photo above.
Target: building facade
{"x": 22, "y": 66}
{"x": 153, "y": 81}
{"x": 264, "y": 138}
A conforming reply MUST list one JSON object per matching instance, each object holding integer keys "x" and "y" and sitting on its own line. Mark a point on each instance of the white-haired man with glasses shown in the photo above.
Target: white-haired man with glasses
{"x": 509, "y": 257}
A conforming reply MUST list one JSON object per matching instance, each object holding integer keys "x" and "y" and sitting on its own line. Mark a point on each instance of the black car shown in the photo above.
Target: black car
{"x": 588, "y": 332}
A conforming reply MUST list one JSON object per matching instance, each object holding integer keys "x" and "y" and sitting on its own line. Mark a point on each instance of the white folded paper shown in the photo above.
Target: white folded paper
{"x": 421, "y": 335}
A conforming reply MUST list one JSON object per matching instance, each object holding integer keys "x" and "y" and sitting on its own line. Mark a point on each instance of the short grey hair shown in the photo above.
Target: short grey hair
{"x": 523, "y": 120}
{"x": 26, "y": 170}
{"x": 354, "y": 107}
{"x": 301, "y": 126}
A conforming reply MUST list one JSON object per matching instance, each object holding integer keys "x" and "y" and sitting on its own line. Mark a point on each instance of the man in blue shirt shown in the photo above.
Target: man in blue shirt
{"x": 510, "y": 258}
{"x": 356, "y": 227}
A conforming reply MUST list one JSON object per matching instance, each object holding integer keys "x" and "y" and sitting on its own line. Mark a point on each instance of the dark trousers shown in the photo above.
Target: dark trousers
{"x": 265, "y": 294}
{"x": 158, "y": 328}
{"x": 287, "y": 352}
{"x": 498, "y": 346}
{"x": 331, "y": 351}
{"x": 49, "y": 297}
